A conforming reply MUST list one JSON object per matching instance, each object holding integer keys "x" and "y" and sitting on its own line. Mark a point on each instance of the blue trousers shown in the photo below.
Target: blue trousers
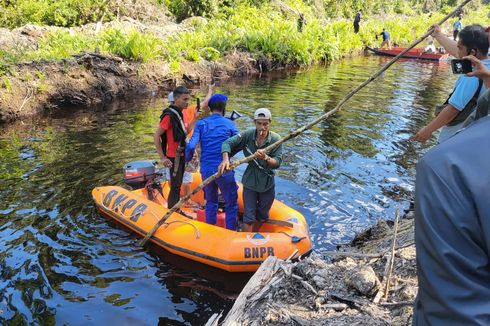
{"x": 228, "y": 187}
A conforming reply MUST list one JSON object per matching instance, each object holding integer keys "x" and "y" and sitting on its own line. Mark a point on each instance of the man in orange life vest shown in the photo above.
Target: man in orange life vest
{"x": 170, "y": 140}
{"x": 192, "y": 166}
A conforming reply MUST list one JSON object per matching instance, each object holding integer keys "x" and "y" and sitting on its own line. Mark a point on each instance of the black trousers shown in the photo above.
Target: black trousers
{"x": 356, "y": 27}
{"x": 175, "y": 182}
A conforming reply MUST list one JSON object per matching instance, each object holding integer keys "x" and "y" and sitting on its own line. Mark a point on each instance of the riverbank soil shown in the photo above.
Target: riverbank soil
{"x": 346, "y": 287}
{"x": 88, "y": 79}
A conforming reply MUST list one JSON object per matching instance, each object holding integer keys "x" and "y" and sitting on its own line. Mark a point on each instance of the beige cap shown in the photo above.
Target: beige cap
{"x": 262, "y": 113}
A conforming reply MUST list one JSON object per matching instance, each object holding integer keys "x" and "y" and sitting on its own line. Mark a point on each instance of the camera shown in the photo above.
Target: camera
{"x": 461, "y": 66}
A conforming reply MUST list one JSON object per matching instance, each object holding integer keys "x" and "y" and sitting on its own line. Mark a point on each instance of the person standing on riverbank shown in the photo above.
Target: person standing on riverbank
{"x": 211, "y": 132}
{"x": 170, "y": 140}
{"x": 357, "y": 20}
{"x": 457, "y": 27}
{"x": 473, "y": 40}
{"x": 258, "y": 179}
{"x": 386, "y": 39}
{"x": 452, "y": 224}
{"x": 301, "y": 22}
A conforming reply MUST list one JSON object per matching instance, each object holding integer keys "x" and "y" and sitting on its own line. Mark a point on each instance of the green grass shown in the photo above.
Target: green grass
{"x": 57, "y": 13}
{"x": 260, "y": 30}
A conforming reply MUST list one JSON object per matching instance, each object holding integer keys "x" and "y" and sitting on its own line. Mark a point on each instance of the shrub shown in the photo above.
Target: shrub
{"x": 57, "y": 13}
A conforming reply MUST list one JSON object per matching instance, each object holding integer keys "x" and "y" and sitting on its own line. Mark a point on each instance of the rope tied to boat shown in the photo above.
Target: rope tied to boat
{"x": 299, "y": 131}
{"x": 102, "y": 196}
{"x": 196, "y": 229}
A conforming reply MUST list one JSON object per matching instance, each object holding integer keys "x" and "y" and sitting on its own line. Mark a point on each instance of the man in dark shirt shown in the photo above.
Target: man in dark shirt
{"x": 301, "y": 22}
{"x": 357, "y": 20}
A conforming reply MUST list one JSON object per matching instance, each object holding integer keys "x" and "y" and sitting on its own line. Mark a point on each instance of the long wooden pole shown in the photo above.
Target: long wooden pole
{"x": 300, "y": 130}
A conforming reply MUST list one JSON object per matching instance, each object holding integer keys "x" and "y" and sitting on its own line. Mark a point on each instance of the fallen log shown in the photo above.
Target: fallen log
{"x": 260, "y": 283}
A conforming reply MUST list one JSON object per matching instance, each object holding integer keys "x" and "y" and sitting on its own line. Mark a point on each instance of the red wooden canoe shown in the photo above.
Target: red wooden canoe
{"x": 412, "y": 54}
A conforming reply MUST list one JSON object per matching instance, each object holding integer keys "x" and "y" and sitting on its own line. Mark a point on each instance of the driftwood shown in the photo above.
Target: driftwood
{"x": 299, "y": 131}
{"x": 383, "y": 292}
{"x": 214, "y": 320}
{"x": 392, "y": 256}
{"x": 361, "y": 254}
{"x": 351, "y": 254}
{"x": 260, "y": 283}
{"x": 397, "y": 304}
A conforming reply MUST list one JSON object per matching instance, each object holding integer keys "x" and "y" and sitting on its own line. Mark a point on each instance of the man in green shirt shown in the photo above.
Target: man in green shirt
{"x": 258, "y": 179}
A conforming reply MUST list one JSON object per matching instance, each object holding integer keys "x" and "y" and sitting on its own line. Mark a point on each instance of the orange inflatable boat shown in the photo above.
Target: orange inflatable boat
{"x": 284, "y": 235}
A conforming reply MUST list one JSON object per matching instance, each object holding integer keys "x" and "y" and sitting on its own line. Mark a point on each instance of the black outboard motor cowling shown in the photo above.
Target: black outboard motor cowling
{"x": 137, "y": 173}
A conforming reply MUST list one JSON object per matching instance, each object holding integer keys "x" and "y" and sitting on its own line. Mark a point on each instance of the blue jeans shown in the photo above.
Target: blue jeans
{"x": 228, "y": 187}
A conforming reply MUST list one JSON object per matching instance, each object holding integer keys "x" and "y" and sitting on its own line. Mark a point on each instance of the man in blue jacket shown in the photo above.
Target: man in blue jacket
{"x": 212, "y": 132}
{"x": 452, "y": 230}
{"x": 452, "y": 224}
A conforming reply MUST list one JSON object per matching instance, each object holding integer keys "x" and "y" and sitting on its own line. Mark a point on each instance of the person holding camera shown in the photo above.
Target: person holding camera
{"x": 481, "y": 71}
{"x": 473, "y": 40}
{"x": 452, "y": 223}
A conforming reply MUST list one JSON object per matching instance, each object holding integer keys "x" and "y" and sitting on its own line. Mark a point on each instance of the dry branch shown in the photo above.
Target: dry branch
{"x": 392, "y": 256}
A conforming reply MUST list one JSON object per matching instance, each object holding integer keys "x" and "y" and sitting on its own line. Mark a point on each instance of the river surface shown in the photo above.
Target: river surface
{"x": 61, "y": 263}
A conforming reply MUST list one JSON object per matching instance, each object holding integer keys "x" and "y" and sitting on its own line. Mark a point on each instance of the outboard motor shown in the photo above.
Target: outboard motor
{"x": 137, "y": 173}
{"x": 234, "y": 115}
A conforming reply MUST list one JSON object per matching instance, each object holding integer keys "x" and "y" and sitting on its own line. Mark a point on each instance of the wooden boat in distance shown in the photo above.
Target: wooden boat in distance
{"x": 411, "y": 54}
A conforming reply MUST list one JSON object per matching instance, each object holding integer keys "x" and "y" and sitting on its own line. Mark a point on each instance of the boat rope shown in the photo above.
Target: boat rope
{"x": 128, "y": 217}
{"x": 196, "y": 229}
{"x": 102, "y": 196}
{"x": 299, "y": 131}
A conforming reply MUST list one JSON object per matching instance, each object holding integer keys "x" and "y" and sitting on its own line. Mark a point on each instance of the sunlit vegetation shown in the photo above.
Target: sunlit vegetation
{"x": 263, "y": 28}
{"x": 57, "y": 13}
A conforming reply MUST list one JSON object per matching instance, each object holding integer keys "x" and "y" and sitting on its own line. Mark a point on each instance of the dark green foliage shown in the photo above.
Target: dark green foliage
{"x": 183, "y": 9}
{"x": 52, "y": 12}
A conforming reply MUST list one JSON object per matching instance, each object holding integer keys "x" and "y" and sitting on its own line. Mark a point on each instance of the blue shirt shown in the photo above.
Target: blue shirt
{"x": 386, "y": 35}
{"x": 211, "y": 132}
{"x": 465, "y": 88}
{"x": 458, "y": 25}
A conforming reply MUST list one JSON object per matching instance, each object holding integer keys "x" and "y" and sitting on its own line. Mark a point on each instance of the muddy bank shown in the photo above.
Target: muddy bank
{"x": 89, "y": 79}
{"x": 346, "y": 287}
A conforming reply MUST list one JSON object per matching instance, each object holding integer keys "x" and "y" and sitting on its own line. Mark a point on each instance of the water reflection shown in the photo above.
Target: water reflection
{"x": 61, "y": 262}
